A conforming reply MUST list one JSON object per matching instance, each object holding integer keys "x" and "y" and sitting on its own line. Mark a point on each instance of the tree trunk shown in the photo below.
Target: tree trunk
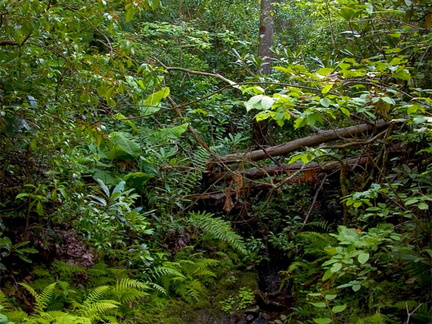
{"x": 265, "y": 43}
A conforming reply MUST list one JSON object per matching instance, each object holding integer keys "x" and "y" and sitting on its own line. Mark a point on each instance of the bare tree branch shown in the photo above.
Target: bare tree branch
{"x": 313, "y": 140}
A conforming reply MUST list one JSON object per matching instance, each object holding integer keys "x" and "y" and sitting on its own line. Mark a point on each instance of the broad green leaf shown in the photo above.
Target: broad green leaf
{"x": 388, "y": 100}
{"x": 327, "y": 275}
{"x": 363, "y": 257}
{"x": 28, "y": 250}
{"x": 347, "y": 13}
{"x": 423, "y": 206}
{"x": 330, "y": 296}
{"x": 339, "y": 308}
{"x": 122, "y": 118}
{"x": 322, "y": 320}
{"x": 402, "y": 74}
{"x": 130, "y": 13}
{"x": 39, "y": 208}
{"x": 155, "y": 98}
{"x": 263, "y": 115}
{"x": 106, "y": 177}
{"x": 120, "y": 187}
{"x": 314, "y": 294}
{"x": 319, "y": 304}
{"x": 260, "y": 102}
{"x": 172, "y": 132}
{"x": 137, "y": 179}
{"x": 325, "y": 71}
{"x": 266, "y": 102}
{"x": 336, "y": 267}
{"x": 22, "y": 195}
{"x": 121, "y": 147}
{"x": 344, "y": 66}
{"x": 146, "y": 110}
{"x": 327, "y": 88}
{"x": 345, "y": 111}
{"x": 254, "y": 89}
{"x": 356, "y": 287}
{"x": 325, "y": 102}
{"x": 253, "y": 103}
{"x": 24, "y": 258}
{"x": 411, "y": 109}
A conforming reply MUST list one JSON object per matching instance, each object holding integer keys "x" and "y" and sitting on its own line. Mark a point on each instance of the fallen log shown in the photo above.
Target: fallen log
{"x": 285, "y": 148}
{"x": 310, "y": 173}
{"x": 275, "y": 170}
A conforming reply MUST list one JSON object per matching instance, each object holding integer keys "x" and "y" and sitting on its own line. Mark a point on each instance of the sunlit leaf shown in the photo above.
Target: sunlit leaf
{"x": 363, "y": 257}
{"x": 339, "y": 308}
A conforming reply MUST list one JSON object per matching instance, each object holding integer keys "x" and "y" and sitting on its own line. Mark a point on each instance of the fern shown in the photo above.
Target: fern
{"x": 158, "y": 288}
{"x": 167, "y": 270}
{"x": 129, "y": 290}
{"x": 66, "y": 270}
{"x": 65, "y": 318}
{"x": 96, "y": 294}
{"x": 41, "y": 299}
{"x": 314, "y": 243}
{"x": 219, "y": 229}
{"x": 374, "y": 319}
{"x": 99, "y": 308}
{"x": 325, "y": 226}
{"x": 16, "y": 315}
{"x": 186, "y": 278}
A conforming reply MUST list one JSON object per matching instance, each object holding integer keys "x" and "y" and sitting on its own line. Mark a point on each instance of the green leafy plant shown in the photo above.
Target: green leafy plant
{"x": 219, "y": 229}
{"x": 111, "y": 222}
{"x": 355, "y": 251}
{"x": 327, "y": 305}
{"x": 187, "y": 278}
{"x": 245, "y": 297}
{"x": 8, "y": 249}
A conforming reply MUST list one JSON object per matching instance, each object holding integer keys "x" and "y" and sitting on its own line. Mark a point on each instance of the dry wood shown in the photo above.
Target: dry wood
{"x": 313, "y": 140}
{"x": 258, "y": 173}
{"x": 288, "y": 169}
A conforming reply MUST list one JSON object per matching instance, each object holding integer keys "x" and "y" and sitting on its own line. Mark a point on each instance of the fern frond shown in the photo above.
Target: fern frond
{"x": 204, "y": 273}
{"x": 325, "y": 226}
{"x": 374, "y": 319}
{"x": 200, "y": 158}
{"x": 110, "y": 320}
{"x": 297, "y": 265}
{"x": 119, "y": 273}
{"x": 96, "y": 294}
{"x": 129, "y": 290}
{"x": 314, "y": 243}
{"x": 131, "y": 283}
{"x": 41, "y": 299}
{"x": 101, "y": 281}
{"x": 158, "y": 288}
{"x": 17, "y": 316}
{"x": 218, "y": 228}
{"x": 3, "y": 299}
{"x": 203, "y": 263}
{"x": 66, "y": 269}
{"x": 59, "y": 317}
{"x": 195, "y": 289}
{"x": 167, "y": 270}
{"x": 99, "y": 308}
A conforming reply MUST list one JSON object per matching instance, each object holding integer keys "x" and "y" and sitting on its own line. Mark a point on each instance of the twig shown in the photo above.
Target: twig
{"x": 313, "y": 202}
{"x": 410, "y": 313}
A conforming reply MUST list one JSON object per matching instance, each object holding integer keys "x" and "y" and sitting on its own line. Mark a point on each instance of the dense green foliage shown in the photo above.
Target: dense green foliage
{"x": 125, "y": 193}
